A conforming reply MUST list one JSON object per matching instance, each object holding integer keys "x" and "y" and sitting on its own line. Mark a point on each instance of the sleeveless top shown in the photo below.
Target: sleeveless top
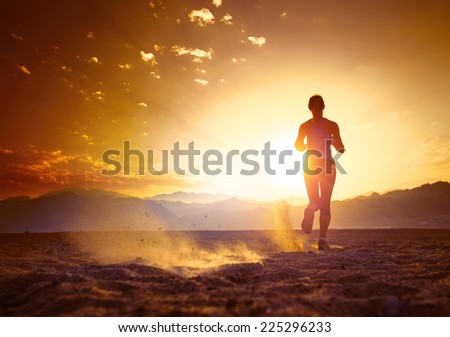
{"x": 319, "y": 138}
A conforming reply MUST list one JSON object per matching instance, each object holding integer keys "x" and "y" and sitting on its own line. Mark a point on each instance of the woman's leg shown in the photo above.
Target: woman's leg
{"x": 312, "y": 187}
{"x": 326, "y": 189}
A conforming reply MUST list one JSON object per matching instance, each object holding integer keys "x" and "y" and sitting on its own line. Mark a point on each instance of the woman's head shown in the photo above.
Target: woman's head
{"x": 316, "y": 105}
{"x": 316, "y": 100}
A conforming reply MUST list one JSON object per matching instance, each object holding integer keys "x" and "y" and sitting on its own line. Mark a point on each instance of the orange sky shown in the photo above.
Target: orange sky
{"x": 79, "y": 78}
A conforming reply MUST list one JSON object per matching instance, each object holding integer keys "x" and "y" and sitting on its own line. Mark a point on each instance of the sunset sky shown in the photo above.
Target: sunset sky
{"x": 80, "y": 77}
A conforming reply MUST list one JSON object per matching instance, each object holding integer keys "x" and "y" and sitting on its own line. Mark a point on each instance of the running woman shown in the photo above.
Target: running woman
{"x": 319, "y": 170}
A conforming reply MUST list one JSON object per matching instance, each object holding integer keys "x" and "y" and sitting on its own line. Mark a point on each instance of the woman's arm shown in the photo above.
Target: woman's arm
{"x": 300, "y": 142}
{"x": 337, "y": 141}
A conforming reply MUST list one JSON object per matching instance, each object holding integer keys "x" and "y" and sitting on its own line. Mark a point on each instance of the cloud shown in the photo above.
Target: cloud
{"x": 148, "y": 57}
{"x": 397, "y": 114}
{"x": 198, "y": 54}
{"x": 90, "y": 35}
{"x": 354, "y": 124}
{"x": 24, "y": 69}
{"x": 429, "y": 141}
{"x": 217, "y": 3}
{"x": 435, "y": 151}
{"x": 202, "y": 17}
{"x": 158, "y": 48}
{"x": 34, "y": 171}
{"x": 226, "y": 19}
{"x": 142, "y": 105}
{"x": 155, "y": 75}
{"x": 16, "y": 36}
{"x": 366, "y": 68}
{"x": 47, "y": 165}
{"x": 87, "y": 139}
{"x": 94, "y": 60}
{"x": 257, "y": 41}
{"x": 440, "y": 163}
{"x": 238, "y": 60}
{"x": 99, "y": 95}
{"x": 200, "y": 81}
{"x": 66, "y": 69}
{"x": 127, "y": 86}
{"x": 126, "y": 66}
{"x": 5, "y": 151}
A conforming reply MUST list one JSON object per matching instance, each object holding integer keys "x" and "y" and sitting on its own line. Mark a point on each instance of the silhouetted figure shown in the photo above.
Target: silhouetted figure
{"x": 319, "y": 169}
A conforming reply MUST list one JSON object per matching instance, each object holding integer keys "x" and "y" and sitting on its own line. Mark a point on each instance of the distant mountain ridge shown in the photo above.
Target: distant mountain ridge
{"x": 72, "y": 211}
{"x": 423, "y": 206}
{"x": 437, "y": 189}
{"x": 87, "y": 192}
{"x": 98, "y": 210}
{"x": 190, "y": 197}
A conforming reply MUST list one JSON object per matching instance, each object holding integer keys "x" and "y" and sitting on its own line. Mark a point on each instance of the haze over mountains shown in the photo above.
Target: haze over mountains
{"x": 187, "y": 197}
{"x": 427, "y": 206}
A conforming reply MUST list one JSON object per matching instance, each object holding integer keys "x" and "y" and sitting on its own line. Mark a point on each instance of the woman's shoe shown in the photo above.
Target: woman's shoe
{"x": 322, "y": 244}
{"x": 308, "y": 219}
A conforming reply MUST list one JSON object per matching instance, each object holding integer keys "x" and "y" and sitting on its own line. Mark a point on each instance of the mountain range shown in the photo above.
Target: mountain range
{"x": 427, "y": 206}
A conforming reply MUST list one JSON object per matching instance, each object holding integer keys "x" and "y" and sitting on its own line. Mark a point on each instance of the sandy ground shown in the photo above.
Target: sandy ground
{"x": 238, "y": 273}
